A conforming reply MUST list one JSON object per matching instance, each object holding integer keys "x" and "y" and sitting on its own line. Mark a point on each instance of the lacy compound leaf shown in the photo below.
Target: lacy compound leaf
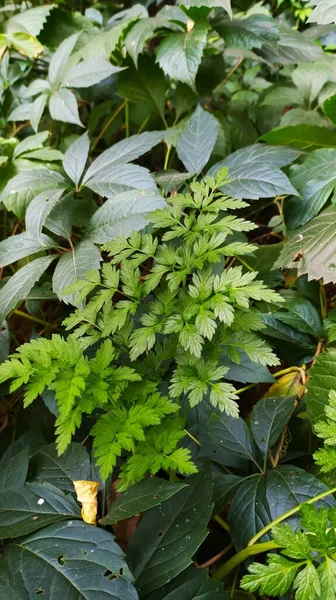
{"x": 322, "y": 379}
{"x": 311, "y": 249}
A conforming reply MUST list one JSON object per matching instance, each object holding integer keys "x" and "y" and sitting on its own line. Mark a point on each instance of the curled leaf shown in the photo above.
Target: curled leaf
{"x": 87, "y": 492}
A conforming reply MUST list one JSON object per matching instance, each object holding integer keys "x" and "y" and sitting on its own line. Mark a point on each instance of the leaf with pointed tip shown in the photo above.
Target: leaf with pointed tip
{"x": 20, "y": 284}
{"x": 32, "y": 506}
{"x": 322, "y": 379}
{"x": 61, "y": 471}
{"x": 75, "y": 158}
{"x": 323, "y": 13}
{"x": 306, "y": 137}
{"x": 311, "y": 249}
{"x": 46, "y": 562}
{"x": 232, "y": 435}
{"x": 119, "y": 178}
{"x": 140, "y": 497}
{"x": 145, "y": 85}
{"x": 37, "y": 109}
{"x": 192, "y": 584}
{"x": 154, "y": 552}
{"x": 180, "y": 54}
{"x": 73, "y": 266}
{"x": 269, "y": 416}
{"x": 59, "y": 61}
{"x": 142, "y": 31}
{"x": 32, "y": 142}
{"x": 21, "y": 245}
{"x": 89, "y": 72}
{"x": 122, "y": 214}
{"x": 254, "y": 171}
{"x": 21, "y": 189}
{"x": 60, "y": 218}
{"x": 26, "y": 44}
{"x": 124, "y": 152}
{"x": 196, "y": 142}
{"x": 63, "y": 107}
{"x": 29, "y": 21}
{"x": 14, "y": 470}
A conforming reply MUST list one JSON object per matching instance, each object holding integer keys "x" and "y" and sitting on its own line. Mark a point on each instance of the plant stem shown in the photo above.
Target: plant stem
{"x": 238, "y": 558}
{"x": 222, "y": 523}
{"x": 165, "y": 166}
{"x": 20, "y": 313}
{"x": 192, "y": 437}
{"x": 116, "y": 112}
{"x": 127, "y": 126}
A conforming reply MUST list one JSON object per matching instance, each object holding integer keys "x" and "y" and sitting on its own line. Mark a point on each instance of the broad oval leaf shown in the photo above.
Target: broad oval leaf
{"x": 30, "y": 507}
{"x": 89, "y": 72}
{"x": 21, "y": 189}
{"x": 73, "y": 266}
{"x": 121, "y": 215}
{"x": 268, "y": 418}
{"x": 180, "y": 54}
{"x": 121, "y": 178}
{"x": 231, "y": 435}
{"x": 24, "y": 244}
{"x": 196, "y": 142}
{"x": 311, "y": 249}
{"x": 54, "y": 554}
{"x": 168, "y": 535}
{"x": 254, "y": 171}
{"x": 75, "y": 158}
{"x": 124, "y": 152}
{"x": 20, "y": 284}
{"x": 140, "y": 497}
{"x": 262, "y": 498}
{"x": 61, "y": 471}
{"x": 63, "y": 107}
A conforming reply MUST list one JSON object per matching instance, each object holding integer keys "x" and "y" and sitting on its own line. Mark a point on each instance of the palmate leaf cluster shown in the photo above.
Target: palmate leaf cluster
{"x": 306, "y": 561}
{"x": 171, "y": 302}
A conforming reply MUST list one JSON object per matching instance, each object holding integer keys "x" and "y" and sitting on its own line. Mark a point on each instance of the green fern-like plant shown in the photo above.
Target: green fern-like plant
{"x": 161, "y": 315}
{"x": 306, "y": 562}
{"x": 326, "y": 430}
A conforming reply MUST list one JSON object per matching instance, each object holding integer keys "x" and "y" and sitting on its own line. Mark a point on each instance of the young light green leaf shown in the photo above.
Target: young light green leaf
{"x": 196, "y": 142}
{"x": 273, "y": 579}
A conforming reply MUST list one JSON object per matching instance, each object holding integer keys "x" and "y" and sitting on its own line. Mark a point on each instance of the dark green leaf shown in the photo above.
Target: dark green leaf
{"x": 13, "y": 471}
{"x": 140, "y": 497}
{"x": 262, "y": 498}
{"x": 329, "y": 108}
{"x": 192, "y": 584}
{"x": 145, "y": 85}
{"x": 168, "y": 535}
{"x": 30, "y": 507}
{"x": 47, "y": 562}
{"x": 306, "y": 137}
{"x": 61, "y": 471}
{"x": 232, "y": 435}
{"x": 268, "y": 418}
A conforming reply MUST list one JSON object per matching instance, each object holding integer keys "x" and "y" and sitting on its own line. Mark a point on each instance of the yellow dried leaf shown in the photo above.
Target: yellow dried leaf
{"x": 287, "y": 385}
{"x": 87, "y": 492}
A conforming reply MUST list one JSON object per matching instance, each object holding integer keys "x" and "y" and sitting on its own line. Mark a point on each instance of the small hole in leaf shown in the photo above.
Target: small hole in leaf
{"x": 159, "y": 533}
{"x": 156, "y": 496}
{"x": 40, "y": 592}
{"x": 121, "y": 571}
{"x": 61, "y": 559}
{"x": 110, "y": 575}
{"x": 84, "y": 552}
